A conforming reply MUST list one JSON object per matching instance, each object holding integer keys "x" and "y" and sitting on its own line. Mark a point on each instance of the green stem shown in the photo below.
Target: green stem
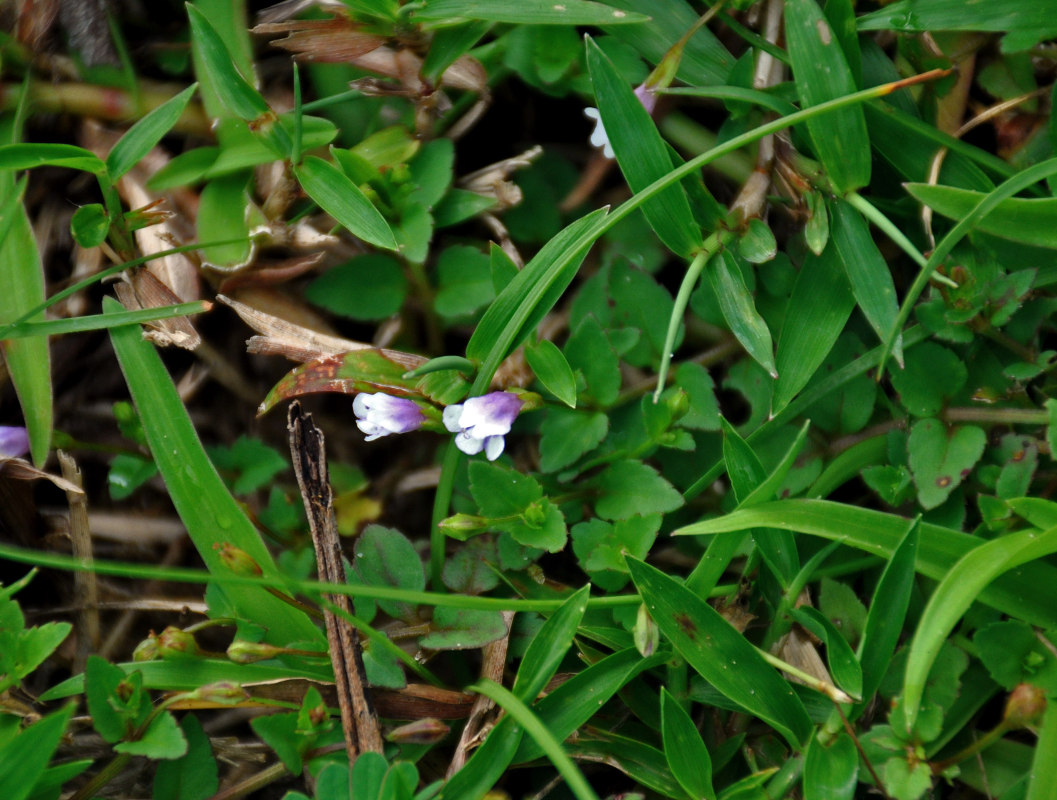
{"x": 872, "y": 213}
{"x": 102, "y": 778}
{"x": 441, "y": 503}
{"x": 682, "y": 300}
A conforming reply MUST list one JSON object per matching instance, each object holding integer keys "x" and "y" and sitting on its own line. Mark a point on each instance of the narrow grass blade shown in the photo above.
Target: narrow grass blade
{"x": 95, "y": 322}
{"x": 342, "y": 199}
{"x": 49, "y": 154}
{"x": 997, "y": 16}
{"x": 219, "y": 72}
{"x": 822, "y": 73}
{"x": 28, "y": 360}
{"x": 958, "y": 590}
{"x": 869, "y": 276}
{"x": 642, "y": 154}
{"x": 445, "y": 13}
{"x": 720, "y": 654}
{"x": 211, "y": 515}
{"x": 888, "y": 609}
{"x": 817, "y": 312}
{"x": 516, "y": 708}
{"x": 684, "y": 750}
{"x": 1043, "y": 784}
{"x": 1029, "y": 594}
{"x": 146, "y": 133}
{"x": 573, "y": 703}
{"x": 739, "y": 310}
{"x": 1028, "y": 220}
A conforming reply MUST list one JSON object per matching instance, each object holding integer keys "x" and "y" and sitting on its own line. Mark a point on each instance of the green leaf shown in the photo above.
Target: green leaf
{"x": 531, "y": 294}
{"x": 757, "y": 245}
{"x": 831, "y": 771}
{"x": 500, "y": 491}
{"x": 49, "y": 154}
{"x": 332, "y": 190}
{"x": 279, "y": 732}
{"x": 933, "y": 374}
{"x": 600, "y": 546}
{"x": 940, "y": 459}
{"x": 1031, "y": 595}
{"x": 642, "y": 154}
{"x": 385, "y": 557}
{"x": 24, "y": 759}
{"x": 552, "y": 370}
{"x": 1044, "y": 764}
{"x": 887, "y": 614}
{"x": 193, "y": 776}
{"x": 28, "y": 360}
{"x": 464, "y": 279}
{"x": 205, "y": 506}
{"x": 687, "y": 756}
{"x": 576, "y": 700}
{"x": 822, "y": 73}
{"x": 868, "y": 273}
{"x": 996, "y": 16}
{"x": 720, "y": 654}
{"x": 591, "y": 352}
{"x": 817, "y": 312}
{"x": 630, "y": 487}
{"x": 255, "y": 463}
{"x": 739, "y": 310}
{"x": 232, "y": 89}
{"x": 113, "y": 718}
{"x": 184, "y": 169}
{"x": 963, "y": 585}
{"x": 369, "y": 287}
{"x": 843, "y": 665}
{"x": 224, "y": 213}
{"x": 89, "y": 225}
{"x": 566, "y": 435}
{"x": 163, "y": 739}
{"x": 463, "y": 629}
{"x": 1013, "y": 653}
{"x": 445, "y": 13}
{"x": 141, "y": 137}
{"x": 34, "y": 645}
{"x": 1027, "y": 220}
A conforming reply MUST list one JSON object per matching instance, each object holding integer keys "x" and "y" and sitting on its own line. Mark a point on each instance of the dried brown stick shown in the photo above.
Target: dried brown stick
{"x": 85, "y": 584}
{"x": 358, "y": 719}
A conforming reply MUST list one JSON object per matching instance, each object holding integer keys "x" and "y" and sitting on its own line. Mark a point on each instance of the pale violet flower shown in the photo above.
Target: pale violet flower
{"x": 14, "y": 441}
{"x": 380, "y": 414}
{"x": 599, "y": 137}
{"x": 481, "y": 422}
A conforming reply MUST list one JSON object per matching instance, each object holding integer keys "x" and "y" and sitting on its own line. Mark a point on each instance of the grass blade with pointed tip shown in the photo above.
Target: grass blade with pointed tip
{"x": 841, "y": 141}
{"x": 997, "y": 16}
{"x": 522, "y": 714}
{"x": 720, "y": 654}
{"x": 739, "y": 310}
{"x": 1030, "y": 595}
{"x": 869, "y": 276}
{"x": 231, "y": 87}
{"x": 49, "y": 154}
{"x": 336, "y": 194}
{"x": 1028, "y": 220}
{"x": 439, "y": 13}
{"x": 28, "y": 360}
{"x": 642, "y": 154}
{"x": 958, "y": 590}
{"x": 1043, "y": 774}
{"x": 203, "y": 502}
{"x": 684, "y": 750}
{"x": 884, "y": 621}
{"x": 95, "y": 322}
{"x": 817, "y": 312}
{"x": 141, "y": 137}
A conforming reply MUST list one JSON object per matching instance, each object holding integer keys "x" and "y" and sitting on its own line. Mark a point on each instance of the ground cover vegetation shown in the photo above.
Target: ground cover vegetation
{"x": 450, "y": 399}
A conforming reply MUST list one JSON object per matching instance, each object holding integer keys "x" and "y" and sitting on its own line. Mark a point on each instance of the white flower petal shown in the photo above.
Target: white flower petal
{"x": 451, "y": 417}
{"x": 360, "y": 405}
{"x": 470, "y": 445}
{"x": 493, "y": 447}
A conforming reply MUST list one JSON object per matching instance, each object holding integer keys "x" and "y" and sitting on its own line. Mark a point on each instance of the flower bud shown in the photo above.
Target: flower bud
{"x": 423, "y": 731}
{"x": 223, "y": 693}
{"x": 147, "y": 650}
{"x": 174, "y": 643}
{"x": 646, "y": 635}
{"x": 460, "y": 526}
{"x": 244, "y": 652}
{"x": 678, "y": 403}
{"x": 1024, "y": 707}
{"x": 237, "y": 560}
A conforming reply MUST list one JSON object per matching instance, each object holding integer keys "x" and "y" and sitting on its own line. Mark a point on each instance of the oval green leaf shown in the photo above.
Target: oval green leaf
{"x": 553, "y": 371}
{"x": 342, "y": 199}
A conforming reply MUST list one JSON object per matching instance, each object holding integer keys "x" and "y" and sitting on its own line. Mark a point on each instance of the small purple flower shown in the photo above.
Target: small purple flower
{"x": 599, "y": 137}
{"x": 14, "y": 441}
{"x": 380, "y": 414}
{"x": 481, "y": 422}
